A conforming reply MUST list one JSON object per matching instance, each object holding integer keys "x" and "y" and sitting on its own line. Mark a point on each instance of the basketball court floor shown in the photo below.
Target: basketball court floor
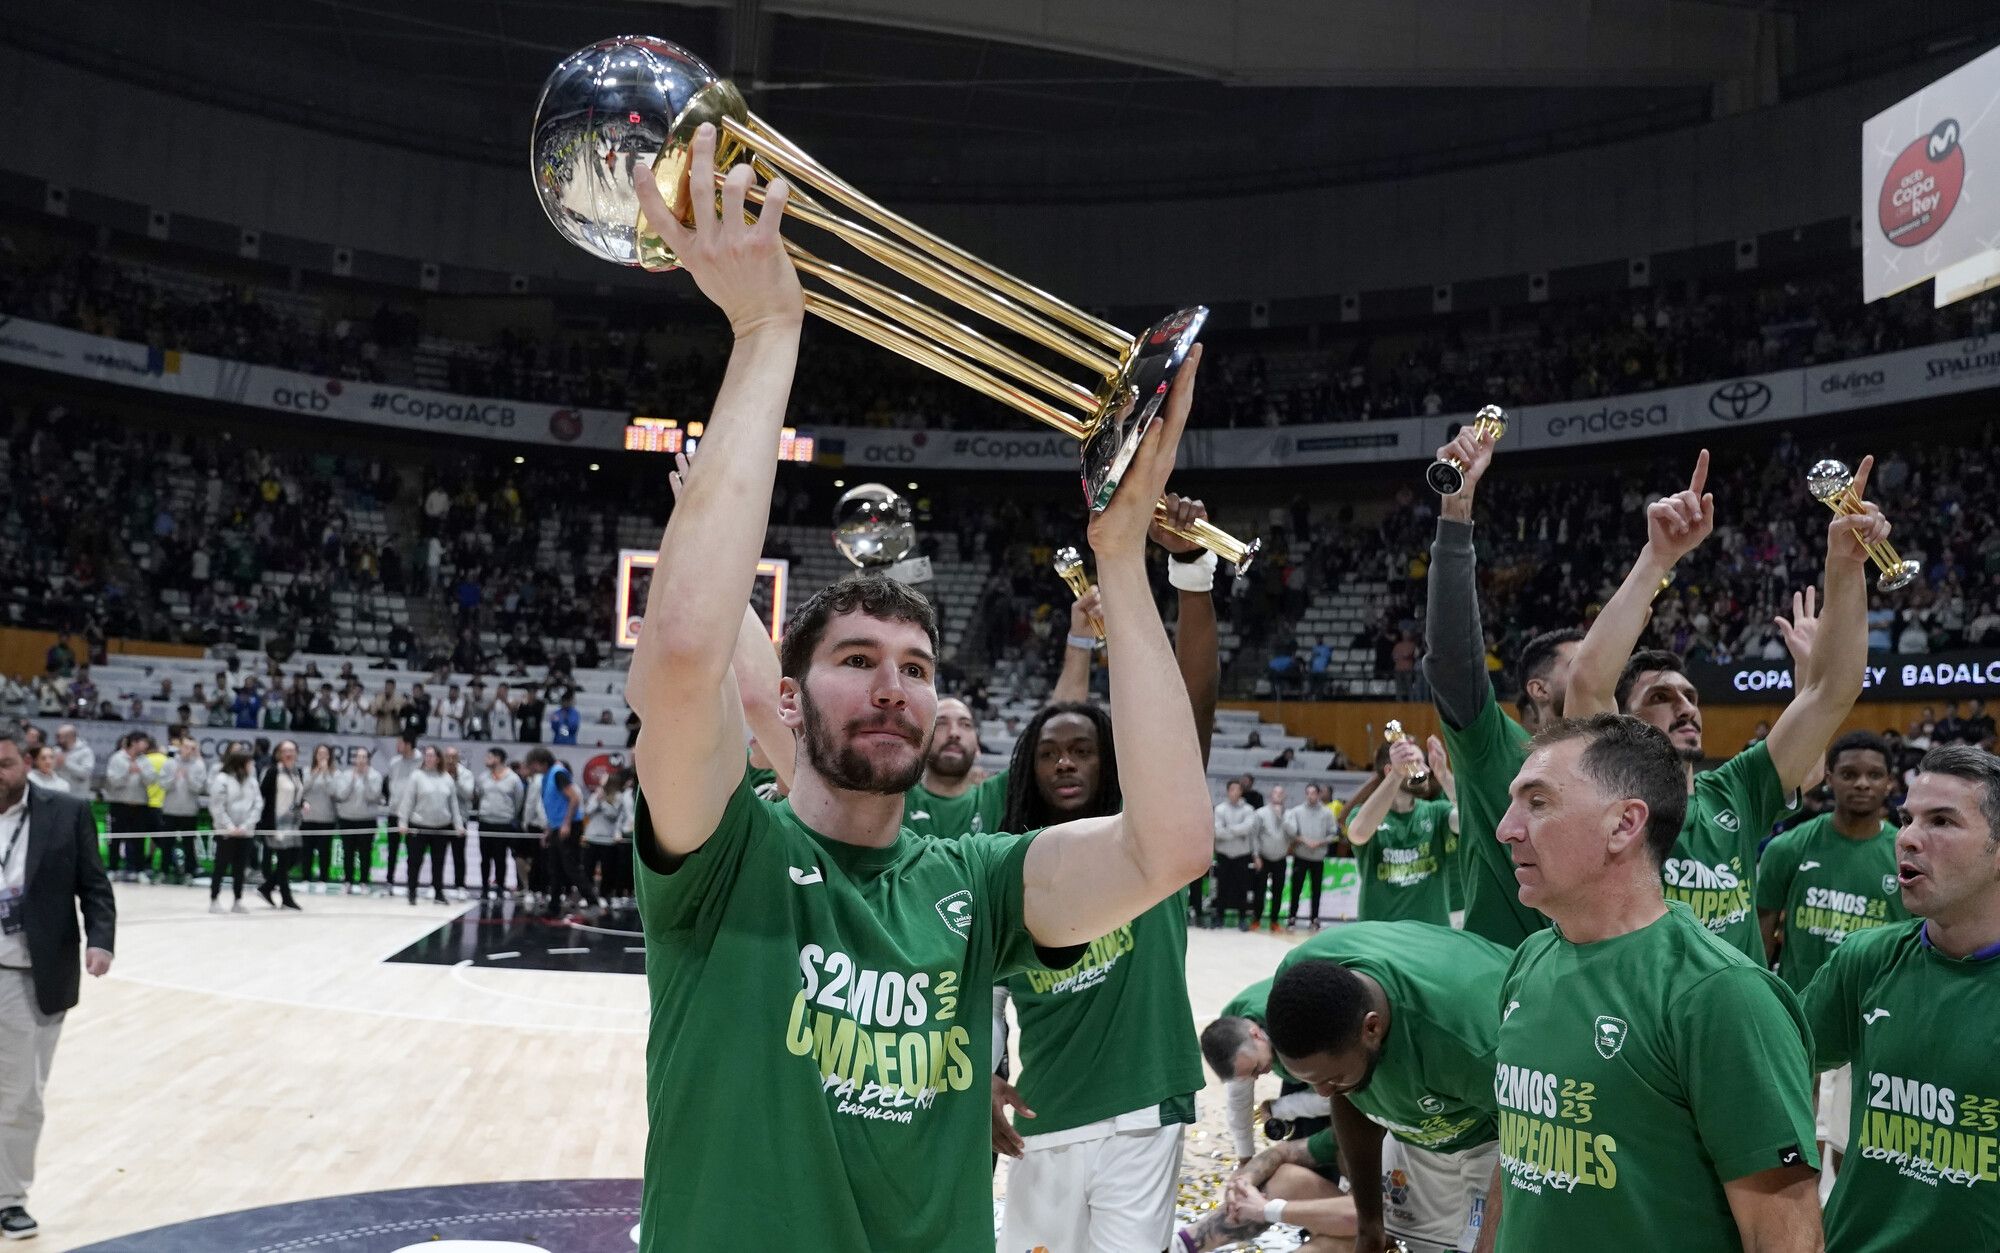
{"x": 368, "y": 1076}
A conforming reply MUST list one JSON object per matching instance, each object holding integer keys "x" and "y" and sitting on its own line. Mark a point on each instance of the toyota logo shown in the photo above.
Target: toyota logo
{"x": 1744, "y": 398}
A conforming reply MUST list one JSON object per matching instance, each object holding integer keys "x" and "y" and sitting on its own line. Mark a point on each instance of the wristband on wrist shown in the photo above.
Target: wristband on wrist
{"x": 1274, "y": 1211}
{"x": 1088, "y": 643}
{"x": 1197, "y": 575}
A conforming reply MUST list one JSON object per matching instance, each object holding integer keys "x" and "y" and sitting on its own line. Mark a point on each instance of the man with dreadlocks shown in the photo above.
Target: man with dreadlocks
{"x": 1109, "y": 1060}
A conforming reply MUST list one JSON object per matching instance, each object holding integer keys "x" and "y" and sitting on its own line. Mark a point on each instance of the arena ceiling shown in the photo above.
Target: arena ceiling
{"x": 1032, "y": 99}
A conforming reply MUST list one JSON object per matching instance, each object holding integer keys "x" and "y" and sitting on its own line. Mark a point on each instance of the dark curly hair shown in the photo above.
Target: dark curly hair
{"x": 1026, "y": 810}
{"x": 875, "y": 595}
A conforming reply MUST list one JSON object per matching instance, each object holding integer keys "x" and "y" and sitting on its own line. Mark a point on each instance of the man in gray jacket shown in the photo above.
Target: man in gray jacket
{"x": 1236, "y": 825}
{"x": 1310, "y": 828}
{"x": 76, "y": 761}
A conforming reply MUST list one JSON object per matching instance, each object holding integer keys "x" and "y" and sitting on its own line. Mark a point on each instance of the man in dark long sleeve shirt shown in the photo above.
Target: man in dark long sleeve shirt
{"x": 1487, "y": 747}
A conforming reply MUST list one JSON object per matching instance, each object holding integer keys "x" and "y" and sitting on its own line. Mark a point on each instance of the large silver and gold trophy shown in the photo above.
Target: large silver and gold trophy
{"x": 619, "y": 106}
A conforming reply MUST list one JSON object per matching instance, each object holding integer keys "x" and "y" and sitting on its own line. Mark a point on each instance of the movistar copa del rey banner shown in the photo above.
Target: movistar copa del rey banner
{"x": 1889, "y": 676}
{"x": 1866, "y": 382}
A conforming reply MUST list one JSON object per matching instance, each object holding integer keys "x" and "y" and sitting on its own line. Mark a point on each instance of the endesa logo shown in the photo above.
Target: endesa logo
{"x": 1608, "y": 421}
{"x": 314, "y": 399}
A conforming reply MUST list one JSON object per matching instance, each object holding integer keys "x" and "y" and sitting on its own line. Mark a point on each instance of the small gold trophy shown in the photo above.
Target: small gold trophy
{"x": 1069, "y": 567}
{"x": 1832, "y": 484}
{"x": 1394, "y": 734}
{"x": 1446, "y": 476}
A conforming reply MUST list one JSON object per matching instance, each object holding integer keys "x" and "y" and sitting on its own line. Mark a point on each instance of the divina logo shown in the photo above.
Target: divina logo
{"x": 1739, "y": 400}
{"x": 1853, "y": 381}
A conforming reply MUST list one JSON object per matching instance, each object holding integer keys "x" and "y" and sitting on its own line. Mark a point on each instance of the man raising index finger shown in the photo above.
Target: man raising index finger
{"x": 811, "y": 951}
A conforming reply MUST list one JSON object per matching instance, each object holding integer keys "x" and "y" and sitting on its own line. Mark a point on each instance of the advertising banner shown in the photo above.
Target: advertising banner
{"x": 44, "y": 347}
{"x": 1913, "y": 374}
{"x": 1889, "y": 676}
{"x": 1930, "y": 172}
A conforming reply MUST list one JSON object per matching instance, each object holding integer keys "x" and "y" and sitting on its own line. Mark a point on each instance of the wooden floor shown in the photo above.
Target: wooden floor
{"x": 231, "y": 1062}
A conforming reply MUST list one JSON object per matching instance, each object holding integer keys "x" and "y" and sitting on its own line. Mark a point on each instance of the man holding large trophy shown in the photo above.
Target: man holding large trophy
{"x": 819, "y": 976}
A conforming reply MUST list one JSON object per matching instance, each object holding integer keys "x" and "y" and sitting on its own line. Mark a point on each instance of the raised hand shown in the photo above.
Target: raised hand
{"x": 1850, "y": 535}
{"x": 1472, "y": 452}
{"x": 1183, "y": 513}
{"x": 738, "y": 263}
{"x": 1677, "y": 524}
{"x": 1123, "y": 524}
{"x": 1086, "y": 617}
{"x": 1801, "y": 628}
{"x": 1405, "y": 758}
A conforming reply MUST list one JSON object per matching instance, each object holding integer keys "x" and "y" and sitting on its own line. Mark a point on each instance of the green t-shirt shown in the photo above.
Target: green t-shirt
{"x": 1112, "y": 1034}
{"x": 1485, "y": 757}
{"x": 977, "y": 810}
{"x": 1696, "y": 1074}
{"x": 1713, "y": 866}
{"x": 1433, "y": 1087}
{"x": 1405, "y": 871}
{"x": 1922, "y": 1169}
{"x": 821, "y": 1010}
{"x": 1829, "y": 887}
{"x": 1249, "y": 1003}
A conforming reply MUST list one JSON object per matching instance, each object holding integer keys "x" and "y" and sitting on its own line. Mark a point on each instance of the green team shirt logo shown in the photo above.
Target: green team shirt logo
{"x": 879, "y": 1037}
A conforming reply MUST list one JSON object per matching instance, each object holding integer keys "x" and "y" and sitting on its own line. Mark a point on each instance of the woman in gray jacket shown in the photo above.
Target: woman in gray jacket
{"x": 429, "y": 815}
{"x": 234, "y": 803}
{"x": 185, "y": 781}
{"x": 360, "y": 795}
{"x": 318, "y": 825}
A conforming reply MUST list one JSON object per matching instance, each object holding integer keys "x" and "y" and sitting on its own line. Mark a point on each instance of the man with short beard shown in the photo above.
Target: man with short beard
{"x": 1713, "y": 866}
{"x": 808, "y": 953}
{"x": 947, "y": 802}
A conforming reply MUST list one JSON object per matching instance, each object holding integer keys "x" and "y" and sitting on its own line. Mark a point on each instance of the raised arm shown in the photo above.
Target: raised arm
{"x": 1838, "y": 651}
{"x": 1361, "y": 822}
{"x": 1073, "y": 681}
{"x": 1081, "y": 879}
{"x": 692, "y": 742}
{"x": 1675, "y": 526}
{"x": 1197, "y": 646}
{"x": 755, "y": 666}
{"x": 1454, "y": 641}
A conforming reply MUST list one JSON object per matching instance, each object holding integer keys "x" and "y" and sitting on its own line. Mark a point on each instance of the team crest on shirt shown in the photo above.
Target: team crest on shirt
{"x": 1609, "y": 1036}
{"x": 1430, "y": 1105}
{"x": 956, "y": 910}
{"x": 1891, "y": 884}
{"x": 1728, "y": 820}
